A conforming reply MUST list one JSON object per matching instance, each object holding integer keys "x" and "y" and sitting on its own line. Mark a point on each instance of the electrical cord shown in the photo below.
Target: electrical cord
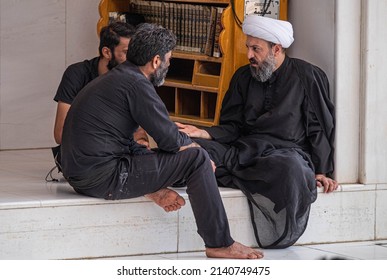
{"x": 49, "y": 174}
{"x": 236, "y": 18}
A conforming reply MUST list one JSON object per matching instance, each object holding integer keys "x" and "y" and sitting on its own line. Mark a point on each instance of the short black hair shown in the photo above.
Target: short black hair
{"x": 148, "y": 41}
{"x": 110, "y": 35}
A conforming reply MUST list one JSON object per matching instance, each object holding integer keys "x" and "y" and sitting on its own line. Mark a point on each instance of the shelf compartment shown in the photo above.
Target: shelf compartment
{"x": 187, "y": 102}
{"x": 181, "y": 70}
{"x": 206, "y": 74}
{"x": 196, "y": 104}
{"x": 208, "y": 103}
{"x": 168, "y": 96}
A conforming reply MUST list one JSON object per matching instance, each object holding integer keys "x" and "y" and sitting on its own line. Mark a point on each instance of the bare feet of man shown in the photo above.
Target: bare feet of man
{"x": 235, "y": 251}
{"x": 167, "y": 199}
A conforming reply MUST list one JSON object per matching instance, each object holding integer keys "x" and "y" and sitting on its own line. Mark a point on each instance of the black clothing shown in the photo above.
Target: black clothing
{"x": 74, "y": 79}
{"x": 272, "y": 139}
{"x": 101, "y": 159}
{"x": 107, "y": 112}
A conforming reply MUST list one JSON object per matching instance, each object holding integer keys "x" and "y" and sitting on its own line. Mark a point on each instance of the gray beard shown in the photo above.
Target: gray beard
{"x": 264, "y": 70}
{"x": 158, "y": 78}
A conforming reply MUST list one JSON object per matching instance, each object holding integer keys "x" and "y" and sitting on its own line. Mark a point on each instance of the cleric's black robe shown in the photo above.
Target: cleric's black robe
{"x": 272, "y": 139}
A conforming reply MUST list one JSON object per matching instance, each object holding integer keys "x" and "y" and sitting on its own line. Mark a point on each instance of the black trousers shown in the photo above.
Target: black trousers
{"x": 138, "y": 175}
{"x": 279, "y": 184}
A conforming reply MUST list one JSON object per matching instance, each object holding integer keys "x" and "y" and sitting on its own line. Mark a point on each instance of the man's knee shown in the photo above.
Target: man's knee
{"x": 287, "y": 163}
{"x": 197, "y": 155}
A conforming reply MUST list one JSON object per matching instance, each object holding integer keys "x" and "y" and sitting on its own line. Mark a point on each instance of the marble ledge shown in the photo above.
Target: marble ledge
{"x": 67, "y": 197}
{"x": 356, "y": 187}
{"x": 381, "y": 186}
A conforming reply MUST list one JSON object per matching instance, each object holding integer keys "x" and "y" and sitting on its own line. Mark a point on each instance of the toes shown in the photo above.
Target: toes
{"x": 169, "y": 200}
{"x": 180, "y": 200}
{"x": 172, "y": 207}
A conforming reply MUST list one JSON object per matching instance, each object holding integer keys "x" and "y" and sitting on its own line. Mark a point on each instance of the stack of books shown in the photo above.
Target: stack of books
{"x": 197, "y": 26}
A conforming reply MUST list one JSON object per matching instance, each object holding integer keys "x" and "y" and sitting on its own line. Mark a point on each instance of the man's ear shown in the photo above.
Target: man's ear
{"x": 277, "y": 49}
{"x": 106, "y": 53}
{"x": 156, "y": 60}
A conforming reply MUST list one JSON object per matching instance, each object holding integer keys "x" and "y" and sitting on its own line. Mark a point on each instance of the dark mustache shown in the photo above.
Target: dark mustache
{"x": 253, "y": 61}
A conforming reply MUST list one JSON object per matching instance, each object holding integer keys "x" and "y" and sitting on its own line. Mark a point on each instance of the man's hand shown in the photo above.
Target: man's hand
{"x": 193, "y": 131}
{"x": 144, "y": 142}
{"x": 327, "y": 183}
{"x": 192, "y": 145}
{"x": 141, "y": 137}
{"x": 213, "y": 165}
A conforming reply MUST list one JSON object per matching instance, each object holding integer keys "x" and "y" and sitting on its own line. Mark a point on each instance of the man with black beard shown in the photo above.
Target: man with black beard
{"x": 275, "y": 136}
{"x": 113, "y": 46}
{"x": 101, "y": 159}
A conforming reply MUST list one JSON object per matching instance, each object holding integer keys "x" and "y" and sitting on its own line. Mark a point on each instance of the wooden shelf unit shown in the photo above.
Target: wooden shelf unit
{"x": 196, "y": 83}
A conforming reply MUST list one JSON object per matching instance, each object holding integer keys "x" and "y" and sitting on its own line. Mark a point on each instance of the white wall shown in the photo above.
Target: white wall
{"x": 327, "y": 33}
{"x": 373, "y": 160}
{"x": 38, "y": 39}
{"x": 347, "y": 97}
{"x": 314, "y": 33}
{"x": 346, "y": 38}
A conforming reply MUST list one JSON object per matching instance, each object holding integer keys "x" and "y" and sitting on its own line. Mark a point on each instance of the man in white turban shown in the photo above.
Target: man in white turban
{"x": 275, "y": 135}
{"x": 271, "y": 30}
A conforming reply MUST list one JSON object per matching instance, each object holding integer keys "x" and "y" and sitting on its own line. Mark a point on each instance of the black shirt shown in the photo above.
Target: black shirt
{"x": 76, "y": 77}
{"x": 102, "y": 119}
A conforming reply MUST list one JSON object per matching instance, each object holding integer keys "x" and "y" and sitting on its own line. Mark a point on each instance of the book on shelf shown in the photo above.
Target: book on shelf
{"x": 185, "y": 27}
{"x": 202, "y": 15}
{"x": 218, "y": 28}
{"x": 211, "y": 25}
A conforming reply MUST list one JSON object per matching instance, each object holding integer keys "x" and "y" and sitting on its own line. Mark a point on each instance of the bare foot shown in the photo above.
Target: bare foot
{"x": 235, "y": 251}
{"x": 167, "y": 199}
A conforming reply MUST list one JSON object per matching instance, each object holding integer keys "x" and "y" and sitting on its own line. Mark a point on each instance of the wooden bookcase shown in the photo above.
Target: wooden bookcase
{"x": 196, "y": 83}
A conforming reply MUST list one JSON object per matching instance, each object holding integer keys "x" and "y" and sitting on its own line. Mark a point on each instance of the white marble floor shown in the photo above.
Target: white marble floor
{"x": 22, "y": 182}
{"x": 369, "y": 250}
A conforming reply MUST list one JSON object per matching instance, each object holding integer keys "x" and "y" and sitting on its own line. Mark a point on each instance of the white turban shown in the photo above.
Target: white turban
{"x": 269, "y": 29}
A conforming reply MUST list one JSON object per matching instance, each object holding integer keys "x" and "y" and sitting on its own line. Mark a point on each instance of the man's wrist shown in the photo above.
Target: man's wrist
{"x": 205, "y": 135}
